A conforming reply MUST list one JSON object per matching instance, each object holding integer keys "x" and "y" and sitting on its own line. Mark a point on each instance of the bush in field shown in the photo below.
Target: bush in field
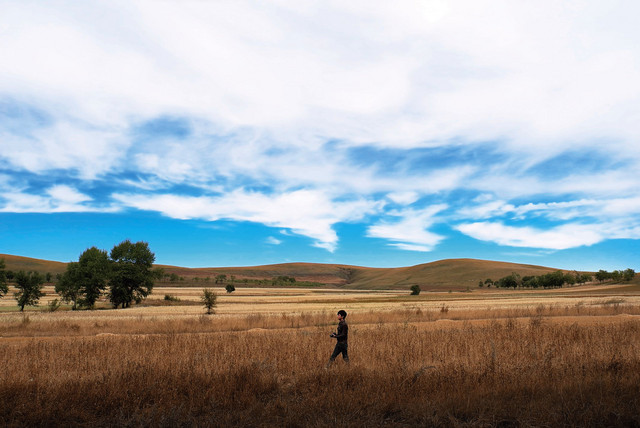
{"x": 415, "y": 290}
{"x": 3, "y": 280}
{"x": 230, "y": 288}
{"x": 170, "y": 298}
{"x": 29, "y": 287}
{"x": 209, "y": 298}
{"x": 53, "y": 305}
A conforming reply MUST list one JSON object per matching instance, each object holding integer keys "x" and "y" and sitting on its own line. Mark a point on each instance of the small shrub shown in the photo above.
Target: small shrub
{"x": 170, "y": 298}
{"x": 415, "y": 290}
{"x": 53, "y": 305}
{"x": 230, "y": 288}
{"x": 209, "y": 299}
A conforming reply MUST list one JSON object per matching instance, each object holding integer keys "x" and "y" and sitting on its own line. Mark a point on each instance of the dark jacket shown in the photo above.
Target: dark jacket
{"x": 343, "y": 332}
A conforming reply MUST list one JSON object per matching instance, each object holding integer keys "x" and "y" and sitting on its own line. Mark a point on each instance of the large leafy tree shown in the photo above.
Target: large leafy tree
{"x": 84, "y": 280}
{"x": 132, "y": 275}
{"x": 95, "y": 267}
{"x": 29, "y": 287}
{"x": 68, "y": 286}
{"x": 3, "y": 279}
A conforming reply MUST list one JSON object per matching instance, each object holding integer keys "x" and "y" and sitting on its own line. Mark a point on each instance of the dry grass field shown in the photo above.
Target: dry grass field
{"x": 485, "y": 358}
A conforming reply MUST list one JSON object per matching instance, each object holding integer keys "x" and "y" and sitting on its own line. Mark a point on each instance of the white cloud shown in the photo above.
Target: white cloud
{"x": 304, "y": 212}
{"x": 604, "y": 210}
{"x": 273, "y": 241}
{"x": 535, "y": 76}
{"x": 67, "y": 195}
{"x": 404, "y": 198}
{"x": 413, "y": 247}
{"x": 410, "y": 232}
{"x": 58, "y": 199}
{"x": 486, "y": 210}
{"x": 557, "y": 238}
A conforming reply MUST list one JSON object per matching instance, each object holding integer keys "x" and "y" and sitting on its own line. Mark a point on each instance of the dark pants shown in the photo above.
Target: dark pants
{"x": 341, "y": 348}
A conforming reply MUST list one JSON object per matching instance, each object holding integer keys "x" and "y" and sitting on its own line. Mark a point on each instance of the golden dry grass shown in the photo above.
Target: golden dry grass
{"x": 459, "y": 359}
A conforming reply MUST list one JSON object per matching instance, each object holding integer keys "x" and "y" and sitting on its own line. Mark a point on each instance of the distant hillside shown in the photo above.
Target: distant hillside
{"x": 18, "y": 263}
{"x": 453, "y": 274}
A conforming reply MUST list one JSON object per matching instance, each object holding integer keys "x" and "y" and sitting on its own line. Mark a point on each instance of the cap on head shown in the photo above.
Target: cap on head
{"x": 343, "y": 313}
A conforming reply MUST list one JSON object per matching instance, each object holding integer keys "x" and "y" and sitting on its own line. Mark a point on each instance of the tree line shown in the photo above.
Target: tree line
{"x": 556, "y": 279}
{"x": 125, "y": 275}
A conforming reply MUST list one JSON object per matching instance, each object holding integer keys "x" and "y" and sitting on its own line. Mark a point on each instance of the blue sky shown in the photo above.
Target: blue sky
{"x": 235, "y": 133}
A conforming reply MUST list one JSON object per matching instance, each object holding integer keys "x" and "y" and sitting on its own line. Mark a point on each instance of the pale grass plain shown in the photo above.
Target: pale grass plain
{"x": 566, "y": 357}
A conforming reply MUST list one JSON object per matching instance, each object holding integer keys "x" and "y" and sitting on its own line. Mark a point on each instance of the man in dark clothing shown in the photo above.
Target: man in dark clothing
{"x": 341, "y": 336}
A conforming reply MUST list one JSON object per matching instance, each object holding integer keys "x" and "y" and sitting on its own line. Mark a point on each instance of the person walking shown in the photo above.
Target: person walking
{"x": 341, "y": 336}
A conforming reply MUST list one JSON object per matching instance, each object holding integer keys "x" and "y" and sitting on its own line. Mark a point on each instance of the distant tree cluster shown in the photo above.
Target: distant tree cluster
{"x": 556, "y": 279}
{"x": 283, "y": 280}
{"x": 616, "y": 275}
{"x": 4, "y": 289}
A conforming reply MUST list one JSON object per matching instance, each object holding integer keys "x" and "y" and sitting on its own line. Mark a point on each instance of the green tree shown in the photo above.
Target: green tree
{"x": 68, "y": 285}
{"x": 585, "y": 277}
{"x": 602, "y": 275}
{"x": 530, "y": 281}
{"x": 230, "y": 288}
{"x": 4, "y": 289}
{"x": 85, "y": 280}
{"x": 415, "y": 290}
{"x": 131, "y": 275}
{"x": 96, "y": 269}
{"x": 220, "y": 278}
{"x": 209, "y": 298}
{"x": 512, "y": 280}
{"x": 628, "y": 274}
{"x": 552, "y": 280}
{"x": 616, "y": 275}
{"x": 569, "y": 279}
{"x": 29, "y": 287}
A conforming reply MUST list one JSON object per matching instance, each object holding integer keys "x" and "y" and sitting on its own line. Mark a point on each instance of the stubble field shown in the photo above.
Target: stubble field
{"x": 485, "y": 358}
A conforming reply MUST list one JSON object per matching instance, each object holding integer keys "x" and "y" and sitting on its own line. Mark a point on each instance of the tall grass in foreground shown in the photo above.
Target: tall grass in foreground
{"x": 503, "y": 373}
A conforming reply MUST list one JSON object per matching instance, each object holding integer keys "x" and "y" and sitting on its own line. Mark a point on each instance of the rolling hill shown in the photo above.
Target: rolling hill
{"x": 452, "y": 274}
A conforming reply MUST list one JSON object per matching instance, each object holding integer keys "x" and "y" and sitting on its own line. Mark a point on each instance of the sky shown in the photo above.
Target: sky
{"x": 370, "y": 133}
